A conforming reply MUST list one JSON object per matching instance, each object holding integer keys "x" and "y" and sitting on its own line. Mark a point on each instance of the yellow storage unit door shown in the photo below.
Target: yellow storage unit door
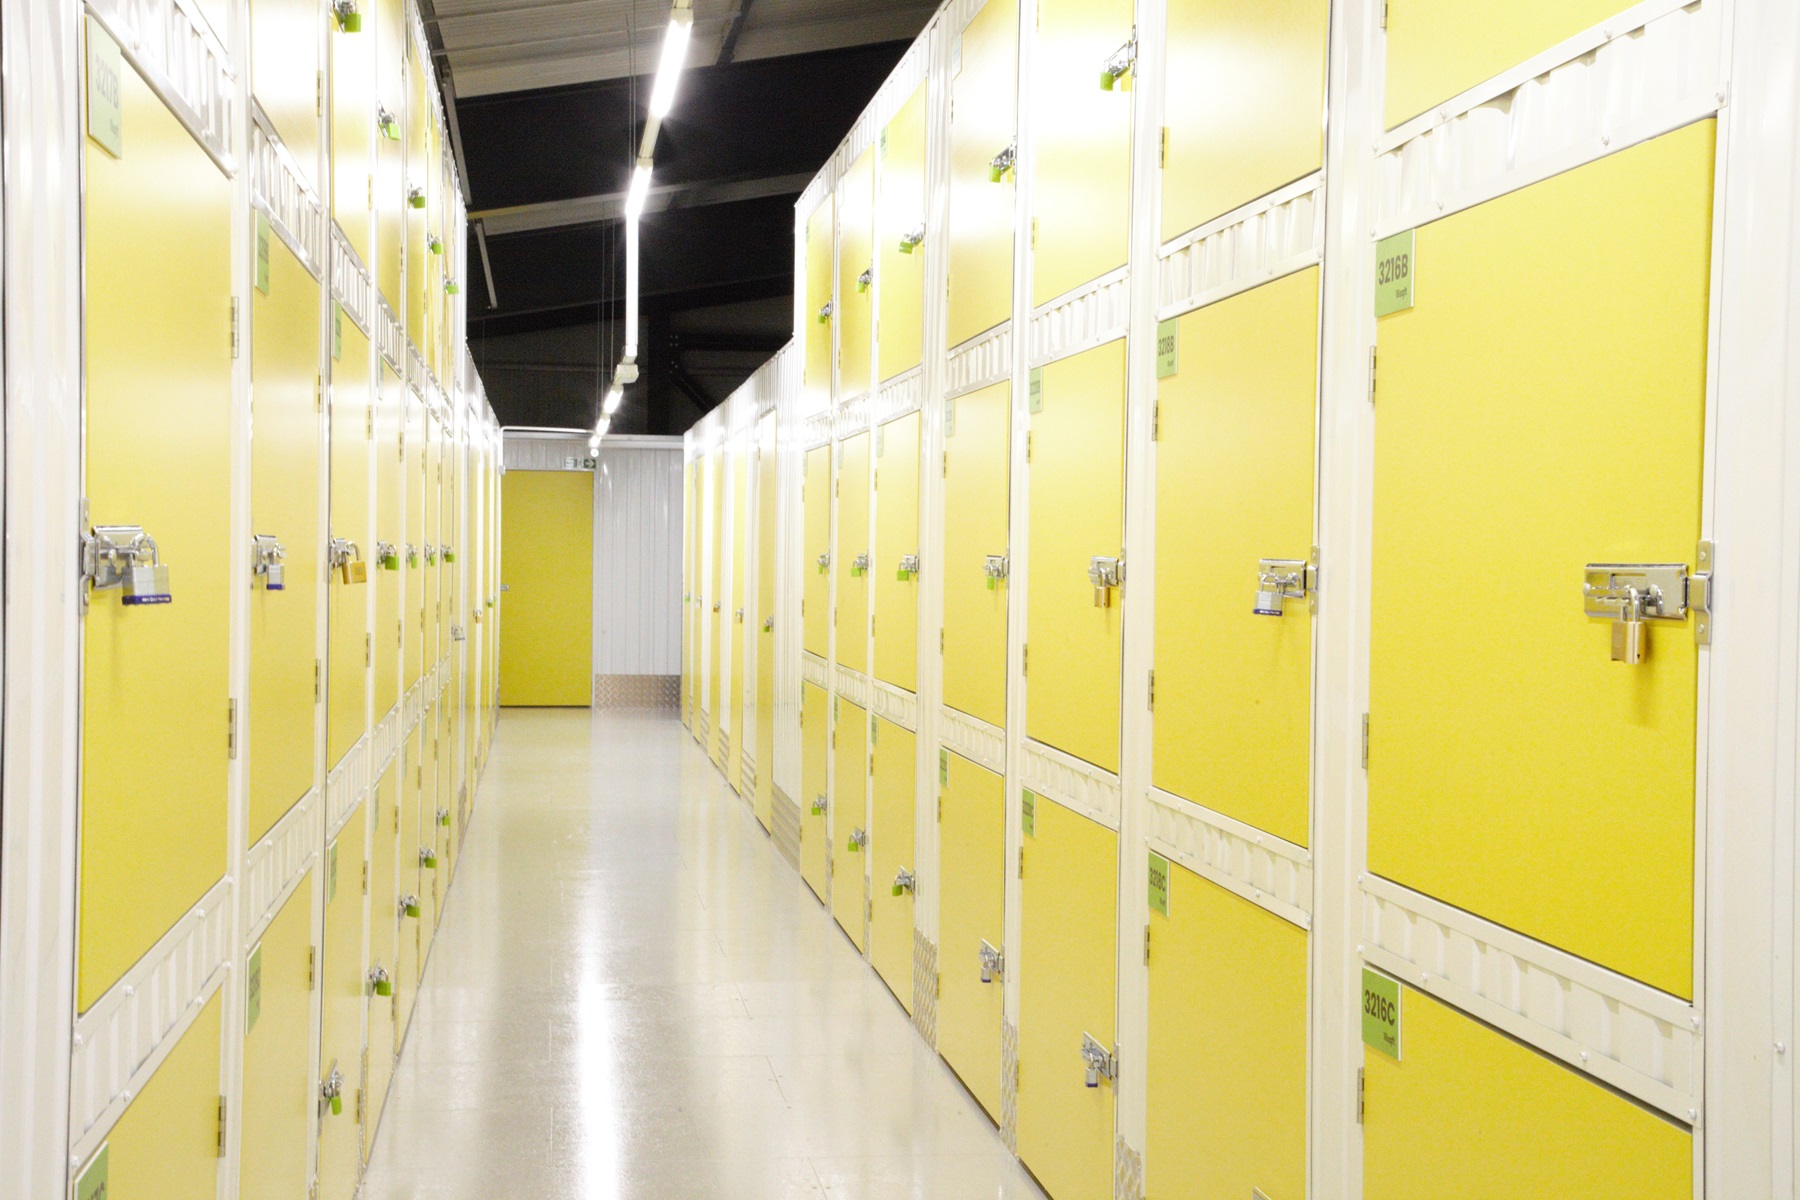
{"x": 850, "y": 816}
{"x": 547, "y": 536}
{"x": 856, "y": 275}
{"x": 165, "y": 1146}
{"x": 900, "y": 225}
{"x": 352, "y": 130}
{"x": 815, "y": 603}
{"x": 977, "y": 468}
{"x": 416, "y": 182}
{"x": 345, "y": 978}
{"x": 896, "y": 622}
{"x": 717, "y": 700}
{"x": 1081, "y": 118}
{"x": 815, "y": 730}
{"x": 1227, "y": 1046}
{"x": 1068, "y": 973}
{"x": 386, "y": 918}
{"x": 1234, "y": 531}
{"x": 821, "y": 234}
{"x": 1437, "y": 49}
{"x": 423, "y": 849}
{"x": 409, "y": 963}
{"x": 853, "y": 557}
{"x": 1077, "y": 528}
{"x": 285, "y": 75}
{"x": 390, "y": 157}
{"x": 1245, "y": 106}
{"x": 687, "y": 592}
{"x": 765, "y": 607}
{"x": 971, "y": 902}
{"x": 983, "y": 133}
{"x": 430, "y": 496}
{"x": 284, "y": 513}
{"x": 347, "y": 584}
{"x": 388, "y": 560}
{"x": 1540, "y": 784}
{"x": 894, "y": 776}
{"x": 157, "y": 422}
{"x": 278, "y": 1097}
{"x": 1468, "y": 1112}
{"x": 734, "y": 620}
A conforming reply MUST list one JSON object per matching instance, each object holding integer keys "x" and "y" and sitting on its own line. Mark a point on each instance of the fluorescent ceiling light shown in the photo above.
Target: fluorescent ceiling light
{"x": 638, "y": 192}
{"x": 668, "y": 71}
{"x": 614, "y": 398}
{"x": 601, "y": 429}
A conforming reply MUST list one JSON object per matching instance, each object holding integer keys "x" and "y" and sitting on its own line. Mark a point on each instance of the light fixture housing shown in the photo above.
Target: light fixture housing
{"x": 674, "y": 56}
{"x": 639, "y": 191}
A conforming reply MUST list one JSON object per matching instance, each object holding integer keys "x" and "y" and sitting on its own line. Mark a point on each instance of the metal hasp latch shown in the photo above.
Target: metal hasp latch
{"x": 331, "y": 1091}
{"x": 435, "y": 244}
{"x": 993, "y": 962}
{"x": 825, "y": 311}
{"x": 267, "y": 559}
{"x": 348, "y": 14}
{"x": 859, "y": 840}
{"x": 387, "y": 557}
{"x": 386, "y": 124}
{"x": 415, "y": 196}
{"x": 412, "y": 559}
{"x": 379, "y": 981}
{"x": 913, "y": 238}
{"x": 124, "y": 557}
{"x": 909, "y": 566}
{"x": 443, "y": 817}
{"x": 346, "y": 560}
{"x": 860, "y": 564}
{"x": 995, "y": 569}
{"x": 824, "y": 561}
{"x": 1279, "y": 579}
{"x": 409, "y": 906}
{"x": 1101, "y": 1062}
{"x": 905, "y": 881}
{"x": 768, "y": 624}
{"x": 1119, "y": 65}
{"x": 715, "y": 606}
{"x": 866, "y": 279}
{"x": 1003, "y": 162}
{"x": 431, "y": 556}
{"x": 428, "y": 858}
{"x": 1105, "y": 574}
{"x": 1633, "y": 594}
{"x": 740, "y": 616}
{"x": 457, "y": 634}
{"x": 818, "y": 806}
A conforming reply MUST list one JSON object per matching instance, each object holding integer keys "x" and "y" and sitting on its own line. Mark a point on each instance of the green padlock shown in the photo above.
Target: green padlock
{"x": 409, "y": 905}
{"x": 452, "y": 287}
{"x": 349, "y": 18}
{"x": 443, "y": 817}
{"x": 380, "y": 981}
{"x": 415, "y": 196}
{"x": 428, "y": 858}
{"x": 337, "y": 1106}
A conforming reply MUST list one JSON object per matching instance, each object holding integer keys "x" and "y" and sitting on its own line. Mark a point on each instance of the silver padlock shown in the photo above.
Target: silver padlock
{"x": 993, "y": 961}
{"x": 274, "y": 579}
{"x": 1629, "y": 643}
{"x": 146, "y": 583}
{"x": 268, "y": 561}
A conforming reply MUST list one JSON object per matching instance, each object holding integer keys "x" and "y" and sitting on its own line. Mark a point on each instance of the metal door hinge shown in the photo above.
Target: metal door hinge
{"x": 361, "y": 1104}
{"x": 1156, "y": 421}
{"x": 940, "y": 640}
{"x": 319, "y": 394}
{"x": 319, "y": 102}
{"x": 1360, "y": 1093}
{"x": 221, "y": 1141}
{"x": 946, "y": 464}
{"x": 312, "y": 967}
{"x": 231, "y": 728}
{"x": 1372, "y": 374}
{"x": 1164, "y": 160}
{"x": 1365, "y": 742}
{"x": 1021, "y": 862}
{"x": 234, "y": 327}
{"x": 318, "y": 679}
{"x": 1153, "y": 691}
{"x": 369, "y": 422}
{"x": 1384, "y": 8}
{"x": 365, "y": 874}
{"x": 1025, "y": 659}
{"x": 1146, "y": 945}
{"x": 1028, "y": 445}
{"x": 368, "y": 649}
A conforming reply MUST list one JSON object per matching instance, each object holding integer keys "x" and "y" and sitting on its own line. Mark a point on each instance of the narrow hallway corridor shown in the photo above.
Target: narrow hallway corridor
{"x": 648, "y": 1002}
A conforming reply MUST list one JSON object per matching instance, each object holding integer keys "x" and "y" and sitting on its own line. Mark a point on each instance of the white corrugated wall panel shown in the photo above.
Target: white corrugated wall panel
{"x": 637, "y": 558}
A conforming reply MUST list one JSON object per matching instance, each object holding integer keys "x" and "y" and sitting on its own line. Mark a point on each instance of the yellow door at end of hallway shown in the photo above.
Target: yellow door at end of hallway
{"x": 547, "y": 546}
{"x": 1245, "y": 104}
{"x": 1068, "y": 975}
{"x": 850, "y": 817}
{"x": 900, "y": 232}
{"x": 852, "y": 557}
{"x": 284, "y": 519}
{"x": 896, "y": 616}
{"x": 387, "y": 916}
{"x": 352, "y": 131}
{"x": 1234, "y": 578}
{"x": 734, "y": 620}
{"x": 1227, "y": 1045}
{"x": 1082, "y": 81}
{"x": 983, "y": 145}
{"x": 1484, "y": 780}
{"x": 155, "y": 691}
{"x": 971, "y": 902}
{"x": 977, "y": 468}
{"x": 815, "y": 602}
{"x": 285, "y": 73}
{"x": 347, "y": 979}
{"x": 1438, "y": 49}
{"x": 815, "y": 733}
{"x": 856, "y": 276}
{"x": 821, "y": 237}
{"x": 1466, "y": 1111}
{"x": 388, "y": 560}
{"x": 765, "y": 609}
{"x": 1077, "y": 527}
{"x": 165, "y": 1145}
{"x": 893, "y": 774}
{"x": 348, "y": 566}
{"x": 277, "y": 1059}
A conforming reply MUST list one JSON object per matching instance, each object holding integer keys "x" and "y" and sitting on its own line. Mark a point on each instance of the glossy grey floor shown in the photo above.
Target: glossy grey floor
{"x": 633, "y": 995}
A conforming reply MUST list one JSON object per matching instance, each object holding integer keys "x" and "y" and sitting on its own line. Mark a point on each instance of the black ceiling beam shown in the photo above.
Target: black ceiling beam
{"x": 587, "y": 312}
{"x": 728, "y": 44}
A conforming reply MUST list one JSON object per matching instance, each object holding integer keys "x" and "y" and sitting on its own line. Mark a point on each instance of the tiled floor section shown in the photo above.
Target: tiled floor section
{"x": 632, "y": 995}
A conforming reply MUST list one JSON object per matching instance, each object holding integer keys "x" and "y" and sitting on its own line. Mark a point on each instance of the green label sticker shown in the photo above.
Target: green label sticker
{"x": 1159, "y": 884}
{"x": 1028, "y": 814}
{"x": 253, "y": 989}
{"x": 1381, "y": 1013}
{"x": 943, "y": 768}
{"x": 262, "y": 253}
{"x": 1394, "y": 262}
{"x": 92, "y": 1183}
{"x": 106, "y": 113}
{"x": 337, "y": 331}
{"x": 1035, "y": 396}
{"x": 1166, "y": 349}
{"x": 950, "y": 418}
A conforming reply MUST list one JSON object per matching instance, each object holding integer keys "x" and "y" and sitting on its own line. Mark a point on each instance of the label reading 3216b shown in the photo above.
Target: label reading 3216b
{"x": 1394, "y": 273}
